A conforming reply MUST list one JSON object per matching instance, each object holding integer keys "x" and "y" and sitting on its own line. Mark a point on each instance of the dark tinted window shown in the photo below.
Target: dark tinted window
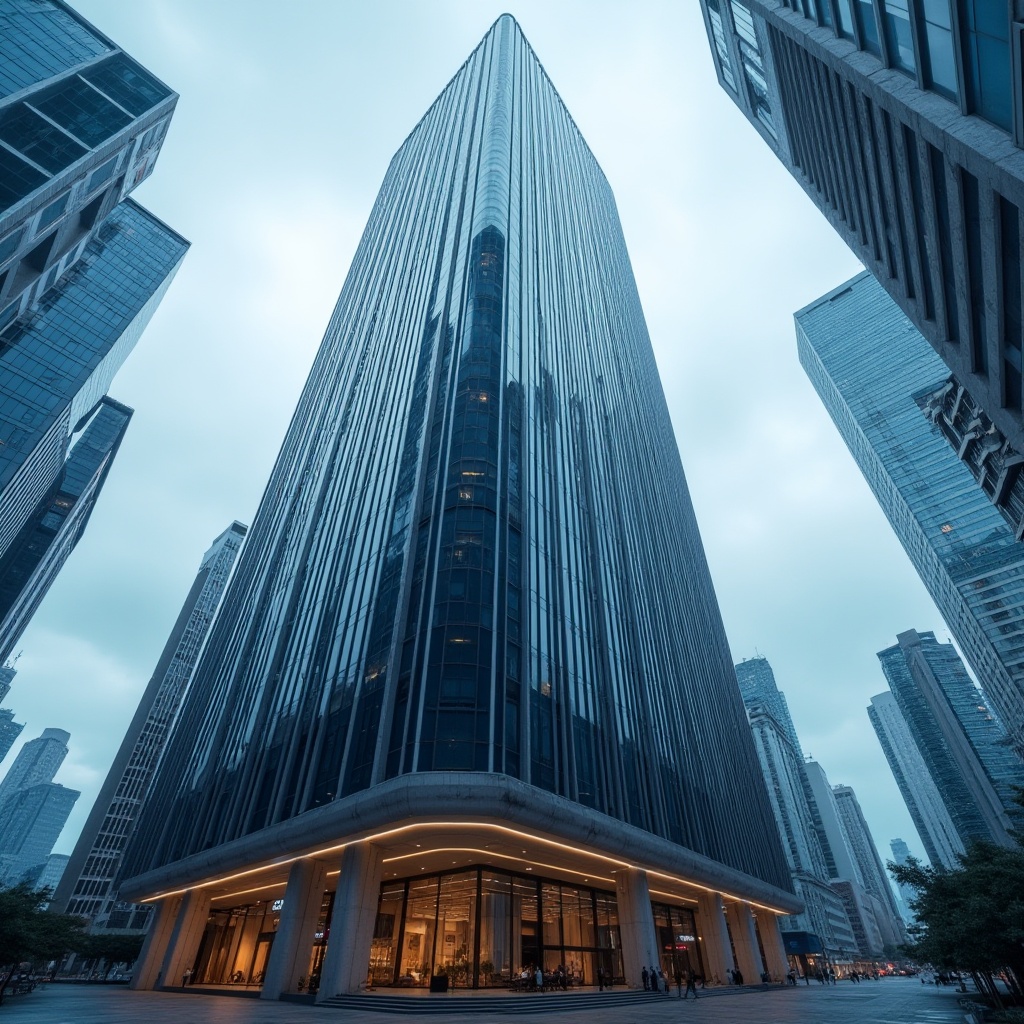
{"x": 40, "y": 141}
{"x": 126, "y": 83}
{"x": 17, "y": 178}
{"x": 77, "y": 106}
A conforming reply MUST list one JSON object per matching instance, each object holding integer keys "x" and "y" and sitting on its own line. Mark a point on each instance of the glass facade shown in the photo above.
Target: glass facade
{"x": 964, "y": 747}
{"x": 476, "y": 551}
{"x": 869, "y": 365}
{"x": 485, "y": 928}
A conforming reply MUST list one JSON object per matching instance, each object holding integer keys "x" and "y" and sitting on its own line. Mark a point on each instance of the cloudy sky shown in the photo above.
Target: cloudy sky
{"x": 289, "y": 114}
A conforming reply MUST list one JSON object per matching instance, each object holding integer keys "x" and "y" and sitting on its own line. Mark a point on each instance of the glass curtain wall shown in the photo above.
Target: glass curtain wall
{"x": 235, "y": 946}
{"x": 484, "y": 928}
{"x": 677, "y": 940}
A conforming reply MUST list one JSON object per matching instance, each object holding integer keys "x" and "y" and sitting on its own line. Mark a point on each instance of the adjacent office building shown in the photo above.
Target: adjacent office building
{"x": 823, "y": 928}
{"x": 904, "y": 124}
{"x": 10, "y": 730}
{"x": 938, "y": 833}
{"x": 901, "y": 855}
{"x": 869, "y": 915}
{"x": 964, "y": 746}
{"x": 43, "y": 544}
{"x": 869, "y": 864}
{"x": 88, "y": 886}
{"x": 33, "y": 808}
{"x": 871, "y": 369}
{"x": 82, "y": 267}
{"x": 468, "y": 705}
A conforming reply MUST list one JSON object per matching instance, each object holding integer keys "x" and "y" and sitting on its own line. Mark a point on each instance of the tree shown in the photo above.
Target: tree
{"x": 28, "y": 933}
{"x": 971, "y": 918}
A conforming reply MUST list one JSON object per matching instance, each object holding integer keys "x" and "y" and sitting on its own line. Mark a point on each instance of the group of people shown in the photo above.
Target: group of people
{"x": 532, "y": 979}
{"x": 656, "y": 980}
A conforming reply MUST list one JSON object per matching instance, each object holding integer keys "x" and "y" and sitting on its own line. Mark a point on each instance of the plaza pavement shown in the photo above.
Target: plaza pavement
{"x": 889, "y": 1001}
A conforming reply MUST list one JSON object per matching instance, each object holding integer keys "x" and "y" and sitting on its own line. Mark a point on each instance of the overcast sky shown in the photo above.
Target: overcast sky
{"x": 289, "y": 114}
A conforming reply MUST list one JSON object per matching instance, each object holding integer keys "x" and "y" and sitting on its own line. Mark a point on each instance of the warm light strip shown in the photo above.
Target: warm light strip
{"x": 503, "y": 856}
{"x": 672, "y": 895}
{"x": 419, "y": 826}
{"x": 243, "y": 892}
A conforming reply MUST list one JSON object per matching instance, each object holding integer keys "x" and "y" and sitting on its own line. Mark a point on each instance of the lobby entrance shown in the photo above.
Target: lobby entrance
{"x": 484, "y": 928}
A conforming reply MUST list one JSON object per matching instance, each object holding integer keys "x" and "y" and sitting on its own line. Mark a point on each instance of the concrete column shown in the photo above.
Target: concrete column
{"x": 774, "y": 947}
{"x": 714, "y": 938}
{"x": 151, "y": 959}
{"x": 293, "y": 943}
{"x": 347, "y": 958}
{"x": 186, "y": 936}
{"x": 636, "y": 924}
{"x": 744, "y": 938}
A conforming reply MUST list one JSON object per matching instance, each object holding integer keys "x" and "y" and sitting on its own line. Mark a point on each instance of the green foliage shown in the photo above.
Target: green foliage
{"x": 970, "y": 918}
{"x": 28, "y": 933}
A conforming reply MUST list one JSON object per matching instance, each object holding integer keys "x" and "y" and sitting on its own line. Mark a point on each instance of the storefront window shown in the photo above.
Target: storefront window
{"x": 488, "y": 929}
{"x": 677, "y": 940}
{"x": 236, "y": 945}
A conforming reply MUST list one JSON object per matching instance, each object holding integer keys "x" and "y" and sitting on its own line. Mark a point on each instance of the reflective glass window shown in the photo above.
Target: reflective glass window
{"x": 34, "y": 137}
{"x": 127, "y": 84}
{"x": 898, "y": 36}
{"x": 17, "y": 179}
{"x": 938, "y": 40}
{"x": 868, "y": 27}
{"x": 845, "y": 26}
{"x": 987, "y": 49}
{"x": 80, "y": 109}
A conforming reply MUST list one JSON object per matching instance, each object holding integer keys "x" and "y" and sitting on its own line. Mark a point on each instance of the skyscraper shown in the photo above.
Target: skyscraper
{"x": 44, "y": 543}
{"x": 10, "y": 730}
{"x": 33, "y": 808}
{"x": 7, "y": 674}
{"x": 87, "y": 887}
{"x": 471, "y": 655}
{"x": 870, "y": 367}
{"x": 938, "y": 833}
{"x": 901, "y": 855}
{"x": 965, "y": 748}
{"x": 903, "y": 123}
{"x": 869, "y": 864}
{"x": 758, "y": 687}
{"x": 37, "y": 761}
{"x": 82, "y": 267}
{"x": 823, "y": 926}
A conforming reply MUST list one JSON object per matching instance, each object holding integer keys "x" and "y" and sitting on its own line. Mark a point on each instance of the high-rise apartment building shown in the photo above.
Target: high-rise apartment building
{"x": 904, "y": 123}
{"x": 469, "y": 687}
{"x": 964, "y": 746}
{"x": 88, "y": 886}
{"x": 10, "y": 730}
{"x": 82, "y": 267}
{"x": 938, "y": 833}
{"x": 872, "y": 369}
{"x": 7, "y": 674}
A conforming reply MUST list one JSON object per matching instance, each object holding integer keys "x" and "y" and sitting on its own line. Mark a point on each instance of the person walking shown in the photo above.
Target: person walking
{"x": 538, "y": 977}
{"x": 646, "y": 979}
{"x": 600, "y": 979}
{"x": 691, "y": 985}
{"x": 679, "y": 982}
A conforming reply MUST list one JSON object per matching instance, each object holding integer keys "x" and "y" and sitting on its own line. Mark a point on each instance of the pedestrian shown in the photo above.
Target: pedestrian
{"x": 186, "y": 977}
{"x": 538, "y": 978}
{"x": 691, "y": 985}
{"x": 738, "y": 975}
{"x": 600, "y": 979}
{"x": 679, "y": 982}
{"x": 646, "y": 978}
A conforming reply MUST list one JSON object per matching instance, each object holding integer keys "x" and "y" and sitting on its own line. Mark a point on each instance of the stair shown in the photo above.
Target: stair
{"x": 526, "y": 1002}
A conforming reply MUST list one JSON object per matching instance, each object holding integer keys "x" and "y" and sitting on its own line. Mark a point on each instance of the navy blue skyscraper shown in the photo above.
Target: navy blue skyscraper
{"x": 82, "y": 267}
{"x": 473, "y": 612}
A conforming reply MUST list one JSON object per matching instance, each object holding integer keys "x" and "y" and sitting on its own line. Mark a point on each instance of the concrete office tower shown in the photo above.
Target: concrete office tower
{"x": 44, "y": 543}
{"x": 870, "y": 367}
{"x": 901, "y": 855}
{"x": 938, "y": 833}
{"x": 472, "y": 613}
{"x": 823, "y": 927}
{"x": 903, "y": 123}
{"x": 30, "y": 822}
{"x": 88, "y": 886}
{"x": 82, "y": 268}
{"x": 869, "y": 864}
{"x": 863, "y": 910}
{"x": 37, "y": 762}
{"x": 964, "y": 746}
